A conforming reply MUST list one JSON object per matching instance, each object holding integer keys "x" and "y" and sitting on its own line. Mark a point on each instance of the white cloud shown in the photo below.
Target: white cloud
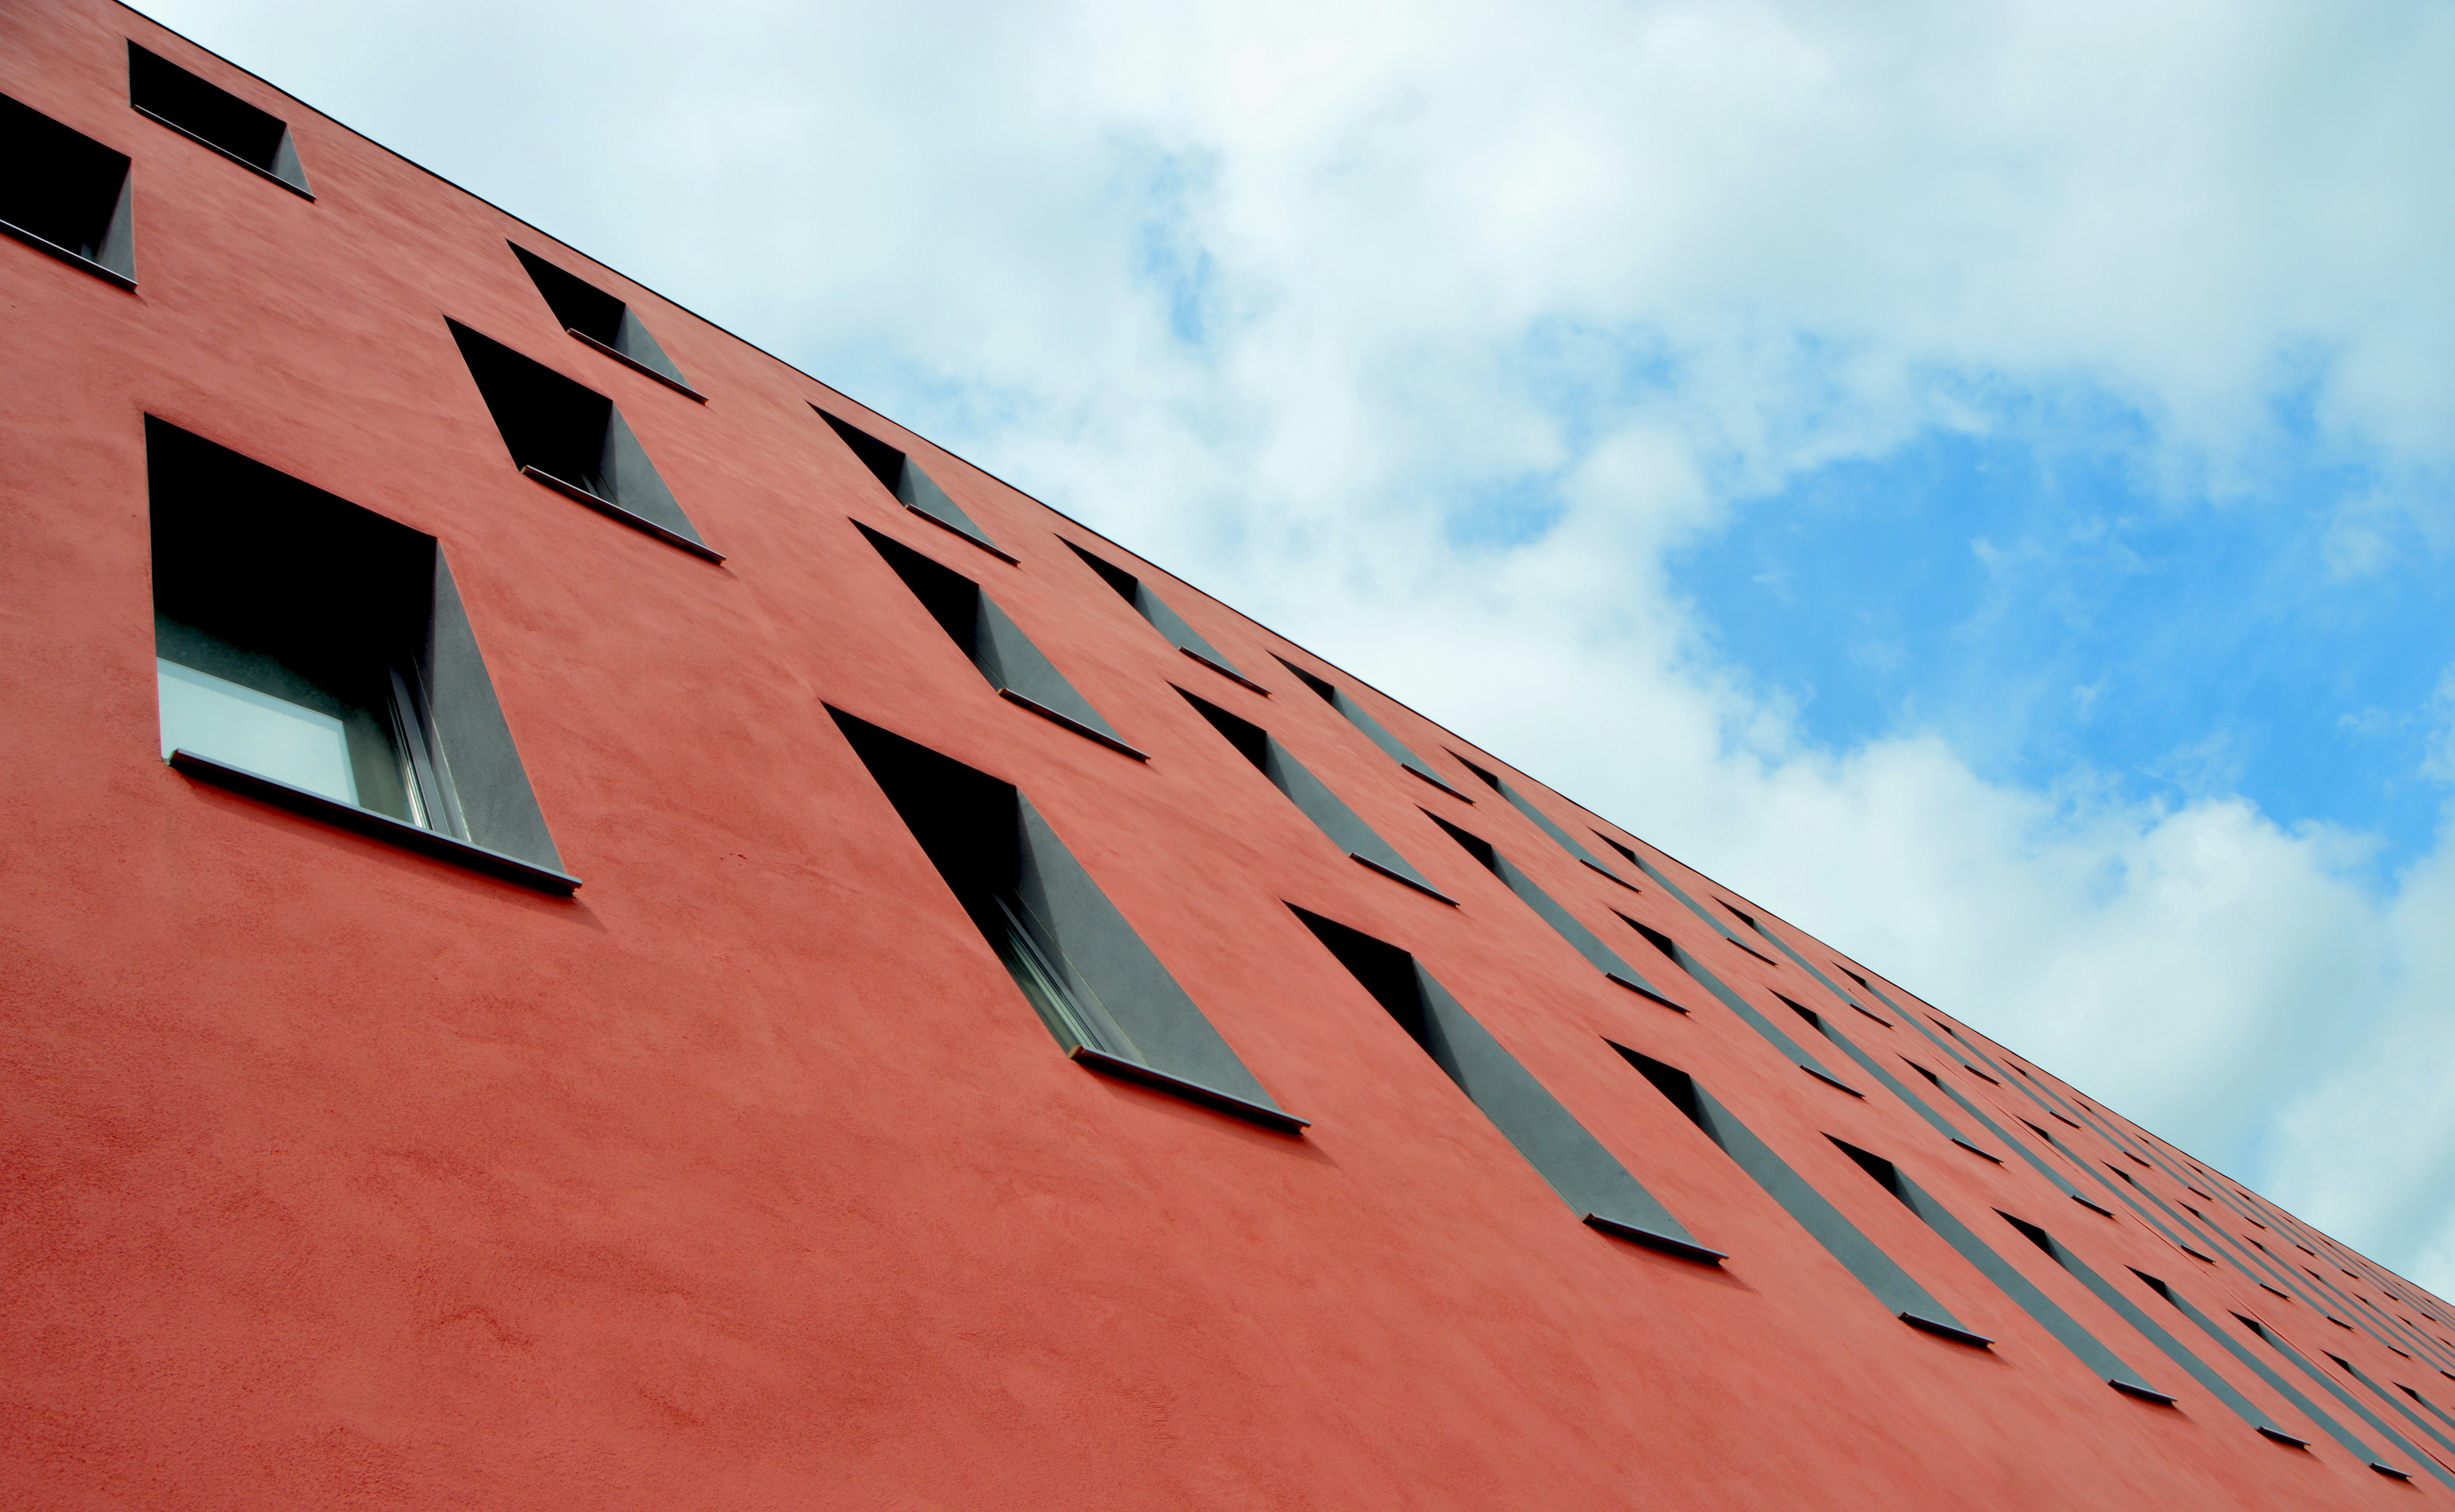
{"x": 1670, "y": 253}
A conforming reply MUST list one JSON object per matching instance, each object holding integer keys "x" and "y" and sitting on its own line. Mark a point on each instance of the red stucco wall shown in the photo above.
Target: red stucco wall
{"x": 335, "y": 1176}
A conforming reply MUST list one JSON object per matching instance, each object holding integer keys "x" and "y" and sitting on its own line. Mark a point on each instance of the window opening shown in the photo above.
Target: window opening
{"x": 1588, "y": 1177}
{"x": 67, "y": 194}
{"x": 1163, "y": 618}
{"x": 1567, "y": 925}
{"x": 212, "y": 115}
{"x": 913, "y": 487}
{"x": 1542, "y": 821}
{"x": 597, "y": 319}
{"x": 1359, "y": 716}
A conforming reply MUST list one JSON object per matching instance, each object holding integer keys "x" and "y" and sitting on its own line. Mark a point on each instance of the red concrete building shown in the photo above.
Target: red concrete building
{"x": 593, "y": 923}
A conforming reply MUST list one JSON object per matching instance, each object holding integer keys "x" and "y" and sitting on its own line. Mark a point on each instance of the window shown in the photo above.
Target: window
{"x": 2107, "y": 1365}
{"x": 1564, "y": 923}
{"x": 602, "y": 321}
{"x": 1356, "y": 716}
{"x": 574, "y": 440}
{"x": 316, "y": 655}
{"x": 1165, "y": 621}
{"x": 1892, "y": 1287}
{"x": 1588, "y": 1177}
{"x": 65, "y": 194}
{"x": 1749, "y": 1014}
{"x": 995, "y": 644}
{"x": 2147, "y": 1328}
{"x": 1542, "y": 821}
{"x": 913, "y": 489}
{"x": 1097, "y": 987}
{"x": 1313, "y": 799}
{"x": 215, "y": 117}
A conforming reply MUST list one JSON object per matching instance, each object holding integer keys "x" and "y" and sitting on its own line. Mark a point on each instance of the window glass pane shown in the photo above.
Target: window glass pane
{"x": 256, "y": 732}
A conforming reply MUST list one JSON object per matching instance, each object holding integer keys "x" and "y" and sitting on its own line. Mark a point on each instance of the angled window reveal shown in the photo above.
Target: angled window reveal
{"x": 67, "y": 194}
{"x": 2148, "y": 1328}
{"x": 574, "y": 441}
{"x": 1564, "y": 923}
{"x": 1337, "y": 698}
{"x": 1102, "y": 992}
{"x": 1542, "y": 820}
{"x": 995, "y": 644}
{"x": 197, "y": 108}
{"x": 601, "y": 321}
{"x": 1587, "y": 1176}
{"x": 1164, "y": 620}
{"x": 2277, "y": 1342}
{"x": 1749, "y": 1014}
{"x": 1891, "y": 1083}
{"x": 913, "y": 489}
{"x": 314, "y": 654}
{"x": 2102, "y": 1362}
{"x": 1692, "y": 906}
{"x": 1892, "y": 1287}
{"x": 1313, "y": 799}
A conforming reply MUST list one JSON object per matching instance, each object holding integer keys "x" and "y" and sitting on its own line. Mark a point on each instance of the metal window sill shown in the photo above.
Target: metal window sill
{"x": 1976, "y": 1151}
{"x": 1192, "y": 1090}
{"x": 1076, "y": 725}
{"x": 1942, "y": 1330}
{"x": 209, "y": 145}
{"x": 2132, "y": 1388}
{"x": 78, "y": 260}
{"x": 629, "y": 361}
{"x": 1437, "y": 782}
{"x": 2102, "y": 1212}
{"x": 1225, "y": 671}
{"x": 1425, "y": 888}
{"x": 1006, "y": 556}
{"x": 1643, "y": 991}
{"x": 1833, "y": 1082}
{"x": 1613, "y": 875}
{"x": 606, "y": 506}
{"x": 367, "y": 821}
{"x": 1685, "y": 1249}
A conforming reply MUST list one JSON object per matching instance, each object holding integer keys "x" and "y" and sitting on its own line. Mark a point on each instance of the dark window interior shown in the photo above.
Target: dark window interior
{"x": 1127, "y": 586}
{"x": 262, "y": 582}
{"x": 1491, "y": 779}
{"x": 573, "y": 438}
{"x": 593, "y": 314}
{"x": 1674, "y": 1084}
{"x": 1385, "y": 971}
{"x": 65, "y": 193}
{"x": 1481, "y": 850}
{"x": 1250, "y": 740}
{"x": 1616, "y": 846}
{"x": 1657, "y": 938}
{"x": 212, "y": 115}
{"x": 952, "y": 599}
{"x": 1885, "y": 1174}
{"x": 913, "y": 487}
{"x": 1323, "y": 686}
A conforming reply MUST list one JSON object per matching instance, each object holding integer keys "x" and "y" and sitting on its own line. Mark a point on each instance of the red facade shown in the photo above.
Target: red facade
{"x": 347, "y": 1170}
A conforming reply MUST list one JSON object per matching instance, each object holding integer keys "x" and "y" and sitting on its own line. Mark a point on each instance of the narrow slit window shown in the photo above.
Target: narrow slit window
{"x": 995, "y": 644}
{"x": 1892, "y": 1287}
{"x": 2067, "y": 1331}
{"x": 1704, "y": 976}
{"x": 574, "y": 440}
{"x": 210, "y": 114}
{"x": 1588, "y": 1177}
{"x": 1585, "y": 941}
{"x": 313, "y": 653}
{"x": 913, "y": 487}
{"x": 67, "y": 194}
{"x": 1163, "y": 619}
{"x": 1102, "y": 995}
{"x": 1542, "y": 821}
{"x": 1358, "y": 715}
{"x": 1313, "y": 799}
{"x": 598, "y": 319}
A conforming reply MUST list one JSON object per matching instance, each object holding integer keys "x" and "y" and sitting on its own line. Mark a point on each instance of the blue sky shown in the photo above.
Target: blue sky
{"x": 1977, "y": 480}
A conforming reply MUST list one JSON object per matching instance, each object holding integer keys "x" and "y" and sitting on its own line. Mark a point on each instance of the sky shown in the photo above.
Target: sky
{"x": 1977, "y": 480}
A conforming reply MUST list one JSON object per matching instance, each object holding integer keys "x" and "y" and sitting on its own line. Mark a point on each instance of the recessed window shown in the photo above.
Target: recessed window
{"x": 1357, "y": 716}
{"x": 1163, "y": 619}
{"x": 1894, "y": 1287}
{"x": 1588, "y": 1177}
{"x": 602, "y": 321}
{"x": 2091, "y": 1351}
{"x": 1102, "y": 993}
{"x": 66, "y": 194}
{"x": 1704, "y": 976}
{"x": 1542, "y": 821}
{"x": 1313, "y": 799}
{"x": 913, "y": 489}
{"x": 574, "y": 440}
{"x": 995, "y": 644}
{"x": 212, "y": 115}
{"x": 1567, "y": 925}
{"x": 313, "y": 654}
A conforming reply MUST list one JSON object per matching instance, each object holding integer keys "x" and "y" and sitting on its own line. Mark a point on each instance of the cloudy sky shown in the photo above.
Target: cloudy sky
{"x": 1978, "y": 480}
